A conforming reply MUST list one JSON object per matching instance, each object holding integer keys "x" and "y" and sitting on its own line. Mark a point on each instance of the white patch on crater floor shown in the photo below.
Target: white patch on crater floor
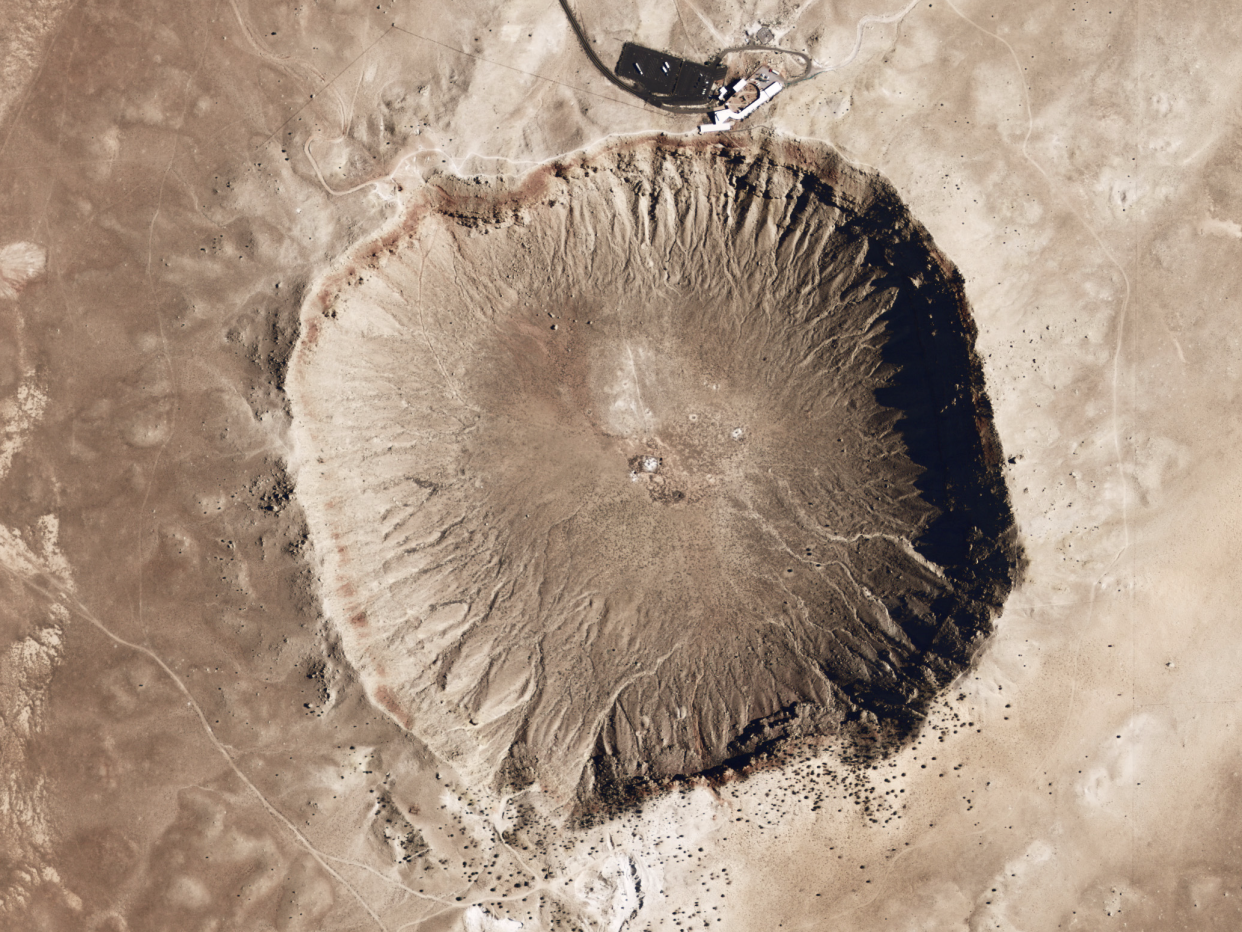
{"x": 19, "y": 264}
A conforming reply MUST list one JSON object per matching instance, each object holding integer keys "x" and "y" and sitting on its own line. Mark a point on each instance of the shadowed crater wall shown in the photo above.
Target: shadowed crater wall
{"x": 649, "y": 460}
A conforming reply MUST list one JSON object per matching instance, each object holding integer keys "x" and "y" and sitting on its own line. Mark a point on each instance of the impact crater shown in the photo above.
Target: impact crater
{"x": 639, "y": 465}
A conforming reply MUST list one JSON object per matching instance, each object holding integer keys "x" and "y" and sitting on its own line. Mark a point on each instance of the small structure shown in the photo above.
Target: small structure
{"x": 763, "y": 35}
{"x": 665, "y": 78}
{"x": 743, "y": 98}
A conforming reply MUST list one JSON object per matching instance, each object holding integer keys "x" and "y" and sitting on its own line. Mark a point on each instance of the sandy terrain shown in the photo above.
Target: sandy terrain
{"x": 193, "y": 736}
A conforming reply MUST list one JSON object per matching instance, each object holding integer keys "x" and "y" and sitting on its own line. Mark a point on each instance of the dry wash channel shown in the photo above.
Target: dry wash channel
{"x": 648, "y": 461}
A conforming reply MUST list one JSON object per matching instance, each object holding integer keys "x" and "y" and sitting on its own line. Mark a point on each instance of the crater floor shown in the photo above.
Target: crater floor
{"x": 638, "y": 465}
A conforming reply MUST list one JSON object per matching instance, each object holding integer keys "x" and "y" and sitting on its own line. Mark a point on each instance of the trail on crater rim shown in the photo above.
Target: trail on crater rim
{"x": 647, "y": 461}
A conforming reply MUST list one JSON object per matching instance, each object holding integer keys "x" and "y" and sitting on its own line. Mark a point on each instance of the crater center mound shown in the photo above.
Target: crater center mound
{"x": 648, "y": 461}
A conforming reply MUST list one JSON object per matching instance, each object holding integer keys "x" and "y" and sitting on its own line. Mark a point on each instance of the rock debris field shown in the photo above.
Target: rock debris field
{"x": 635, "y": 468}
